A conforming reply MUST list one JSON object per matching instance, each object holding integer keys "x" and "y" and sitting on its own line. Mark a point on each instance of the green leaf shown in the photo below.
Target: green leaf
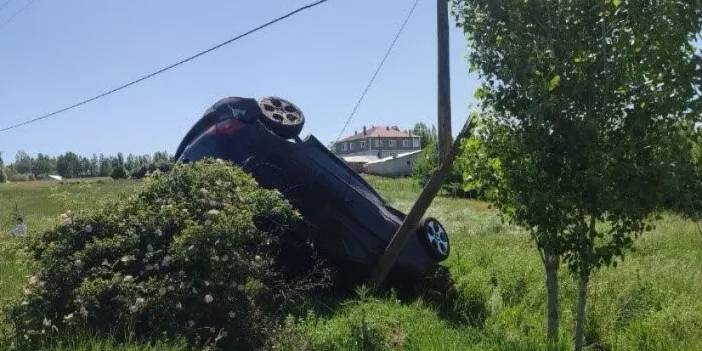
{"x": 554, "y": 82}
{"x": 616, "y": 3}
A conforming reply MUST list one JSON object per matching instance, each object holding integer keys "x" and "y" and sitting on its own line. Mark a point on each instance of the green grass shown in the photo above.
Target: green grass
{"x": 649, "y": 302}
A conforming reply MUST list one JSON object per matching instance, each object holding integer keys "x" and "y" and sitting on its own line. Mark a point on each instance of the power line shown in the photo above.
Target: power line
{"x": 29, "y": 3}
{"x": 169, "y": 67}
{"x": 377, "y": 70}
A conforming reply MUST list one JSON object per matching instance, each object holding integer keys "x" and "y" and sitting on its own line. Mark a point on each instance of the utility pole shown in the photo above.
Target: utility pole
{"x": 444, "y": 80}
{"x": 447, "y": 153}
{"x": 409, "y": 225}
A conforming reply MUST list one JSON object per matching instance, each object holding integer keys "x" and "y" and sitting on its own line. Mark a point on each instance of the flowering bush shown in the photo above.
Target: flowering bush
{"x": 196, "y": 254}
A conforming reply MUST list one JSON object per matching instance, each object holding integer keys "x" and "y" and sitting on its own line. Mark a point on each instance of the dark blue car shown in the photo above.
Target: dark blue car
{"x": 350, "y": 221}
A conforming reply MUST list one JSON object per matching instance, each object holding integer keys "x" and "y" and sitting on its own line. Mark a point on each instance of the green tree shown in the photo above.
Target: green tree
{"x": 105, "y": 166}
{"x": 23, "y": 162}
{"x": 428, "y": 162}
{"x": 581, "y": 101}
{"x": 43, "y": 165}
{"x": 685, "y": 183}
{"x": 3, "y": 175}
{"x": 68, "y": 165}
{"x": 94, "y": 166}
{"x": 118, "y": 173}
{"x": 428, "y": 136}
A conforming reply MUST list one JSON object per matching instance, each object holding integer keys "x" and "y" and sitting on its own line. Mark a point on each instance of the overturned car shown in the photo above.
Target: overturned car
{"x": 350, "y": 222}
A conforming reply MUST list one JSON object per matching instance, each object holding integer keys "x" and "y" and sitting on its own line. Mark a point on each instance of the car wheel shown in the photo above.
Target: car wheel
{"x": 435, "y": 239}
{"x": 282, "y": 117}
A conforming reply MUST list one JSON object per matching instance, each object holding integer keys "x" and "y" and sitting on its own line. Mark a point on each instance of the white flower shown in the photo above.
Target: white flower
{"x": 33, "y": 280}
{"x": 140, "y": 300}
{"x": 66, "y": 219}
{"x": 257, "y": 258}
{"x": 88, "y": 228}
{"x": 128, "y": 278}
{"x": 179, "y": 306}
{"x": 47, "y": 323}
{"x": 232, "y": 314}
{"x": 208, "y": 298}
{"x": 83, "y": 311}
{"x": 79, "y": 263}
{"x": 132, "y": 308}
{"x": 127, "y": 258}
{"x": 68, "y": 317}
{"x": 213, "y": 212}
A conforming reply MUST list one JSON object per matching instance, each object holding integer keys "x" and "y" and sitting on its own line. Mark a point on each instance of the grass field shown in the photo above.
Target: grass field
{"x": 650, "y": 302}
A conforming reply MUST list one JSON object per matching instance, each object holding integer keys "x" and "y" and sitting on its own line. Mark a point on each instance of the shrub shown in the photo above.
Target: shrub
{"x": 118, "y": 173}
{"x": 426, "y": 165}
{"x": 3, "y": 175}
{"x": 22, "y": 177}
{"x": 150, "y": 168}
{"x": 193, "y": 255}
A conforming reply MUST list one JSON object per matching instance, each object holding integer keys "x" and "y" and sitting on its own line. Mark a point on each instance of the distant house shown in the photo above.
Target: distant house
{"x": 378, "y": 142}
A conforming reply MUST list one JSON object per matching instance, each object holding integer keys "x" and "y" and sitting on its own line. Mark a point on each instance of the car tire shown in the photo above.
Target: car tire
{"x": 434, "y": 238}
{"x": 282, "y": 117}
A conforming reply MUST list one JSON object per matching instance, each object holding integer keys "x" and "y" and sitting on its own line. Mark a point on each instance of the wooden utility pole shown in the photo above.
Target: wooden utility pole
{"x": 447, "y": 153}
{"x": 409, "y": 226}
{"x": 444, "y": 79}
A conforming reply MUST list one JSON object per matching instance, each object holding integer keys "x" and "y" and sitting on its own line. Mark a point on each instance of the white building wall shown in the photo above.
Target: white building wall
{"x": 399, "y": 166}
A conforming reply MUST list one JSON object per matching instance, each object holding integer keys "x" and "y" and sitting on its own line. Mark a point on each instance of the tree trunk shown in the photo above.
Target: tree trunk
{"x": 551, "y": 263}
{"x": 580, "y": 311}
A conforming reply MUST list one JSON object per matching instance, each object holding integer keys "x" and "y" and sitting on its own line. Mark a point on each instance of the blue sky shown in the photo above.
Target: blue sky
{"x": 56, "y": 53}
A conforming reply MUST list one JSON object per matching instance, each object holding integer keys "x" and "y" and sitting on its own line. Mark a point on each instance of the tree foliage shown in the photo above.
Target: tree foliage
{"x": 119, "y": 173}
{"x": 72, "y": 165}
{"x": 428, "y": 136}
{"x": 428, "y": 162}
{"x": 582, "y": 100}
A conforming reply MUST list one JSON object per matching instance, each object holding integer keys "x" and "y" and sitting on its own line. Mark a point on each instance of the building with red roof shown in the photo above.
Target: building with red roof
{"x": 378, "y": 142}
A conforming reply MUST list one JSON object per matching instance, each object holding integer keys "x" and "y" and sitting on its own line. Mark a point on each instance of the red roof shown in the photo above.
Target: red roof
{"x": 380, "y": 132}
